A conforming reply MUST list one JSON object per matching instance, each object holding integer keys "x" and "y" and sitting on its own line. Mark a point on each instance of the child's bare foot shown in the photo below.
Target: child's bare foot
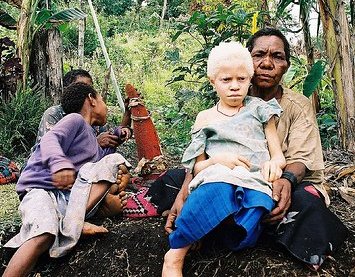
{"x": 173, "y": 264}
{"x": 123, "y": 177}
{"x": 90, "y": 229}
{"x": 112, "y": 205}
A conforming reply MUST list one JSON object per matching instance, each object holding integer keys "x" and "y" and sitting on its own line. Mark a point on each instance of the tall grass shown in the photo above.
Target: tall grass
{"x": 19, "y": 120}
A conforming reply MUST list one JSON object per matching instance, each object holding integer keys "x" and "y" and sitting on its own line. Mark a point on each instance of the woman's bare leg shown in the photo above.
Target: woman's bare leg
{"x": 174, "y": 262}
{"x": 25, "y": 258}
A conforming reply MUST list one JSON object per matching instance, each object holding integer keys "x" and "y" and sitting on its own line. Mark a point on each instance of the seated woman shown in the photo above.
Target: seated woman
{"x": 235, "y": 154}
{"x": 65, "y": 181}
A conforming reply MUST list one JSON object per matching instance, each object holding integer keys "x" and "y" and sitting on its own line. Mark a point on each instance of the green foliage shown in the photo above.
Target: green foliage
{"x": 175, "y": 8}
{"x": 19, "y": 120}
{"x": 223, "y": 24}
{"x": 9, "y": 217}
{"x": 70, "y": 39}
{"x": 10, "y": 68}
{"x": 7, "y": 20}
{"x": 50, "y": 18}
{"x": 113, "y": 7}
{"x": 327, "y": 120}
{"x": 313, "y": 78}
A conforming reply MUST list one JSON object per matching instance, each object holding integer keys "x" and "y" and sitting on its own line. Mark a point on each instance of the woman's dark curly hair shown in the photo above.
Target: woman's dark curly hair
{"x": 71, "y": 76}
{"x": 270, "y": 32}
{"x": 74, "y": 96}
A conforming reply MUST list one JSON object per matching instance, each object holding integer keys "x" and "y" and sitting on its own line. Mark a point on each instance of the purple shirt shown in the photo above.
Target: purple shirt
{"x": 68, "y": 145}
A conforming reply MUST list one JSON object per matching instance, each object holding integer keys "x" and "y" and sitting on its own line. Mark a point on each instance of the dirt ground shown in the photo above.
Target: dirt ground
{"x": 137, "y": 247}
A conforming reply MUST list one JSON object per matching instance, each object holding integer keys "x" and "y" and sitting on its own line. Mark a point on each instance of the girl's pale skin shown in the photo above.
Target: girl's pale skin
{"x": 231, "y": 83}
{"x": 23, "y": 261}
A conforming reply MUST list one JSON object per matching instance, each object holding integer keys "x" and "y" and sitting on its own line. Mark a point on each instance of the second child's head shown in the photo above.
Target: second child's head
{"x": 77, "y": 76}
{"x": 82, "y": 98}
{"x": 230, "y": 69}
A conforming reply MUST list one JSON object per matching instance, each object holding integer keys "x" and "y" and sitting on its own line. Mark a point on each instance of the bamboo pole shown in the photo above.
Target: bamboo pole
{"x": 81, "y": 34}
{"x": 107, "y": 58}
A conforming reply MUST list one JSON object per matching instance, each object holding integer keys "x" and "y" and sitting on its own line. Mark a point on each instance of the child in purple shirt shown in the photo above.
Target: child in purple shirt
{"x": 65, "y": 178}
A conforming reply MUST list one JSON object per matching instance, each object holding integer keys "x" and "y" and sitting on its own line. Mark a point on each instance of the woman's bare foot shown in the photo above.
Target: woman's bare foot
{"x": 90, "y": 229}
{"x": 123, "y": 177}
{"x": 112, "y": 205}
{"x": 174, "y": 262}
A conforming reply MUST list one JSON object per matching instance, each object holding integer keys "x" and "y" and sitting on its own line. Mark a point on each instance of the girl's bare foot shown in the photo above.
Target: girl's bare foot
{"x": 90, "y": 229}
{"x": 174, "y": 262}
{"x": 112, "y": 205}
{"x": 123, "y": 177}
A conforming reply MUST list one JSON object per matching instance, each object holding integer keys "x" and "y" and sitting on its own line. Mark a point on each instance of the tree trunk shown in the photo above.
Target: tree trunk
{"x": 264, "y": 6}
{"x": 163, "y": 12}
{"x": 55, "y": 65}
{"x": 24, "y": 36}
{"x": 46, "y": 65}
{"x": 338, "y": 47}
{"x": 16, "y": 3}
{"x": 81, "y": 34}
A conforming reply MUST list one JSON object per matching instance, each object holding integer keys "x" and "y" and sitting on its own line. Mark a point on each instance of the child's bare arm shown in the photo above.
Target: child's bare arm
{"x": 227, "y": 159}
{"x": 64, "y": 179}
{"x": 272, "y": 169}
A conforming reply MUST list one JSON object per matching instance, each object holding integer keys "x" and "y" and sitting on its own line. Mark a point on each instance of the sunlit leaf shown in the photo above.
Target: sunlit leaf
{"x": 67, "y": 15}
{"x": 7, "y": 20}
{"x": 313, "y": 78}
{"x": 282, "y": 6}
{"x": 43, "y": 16}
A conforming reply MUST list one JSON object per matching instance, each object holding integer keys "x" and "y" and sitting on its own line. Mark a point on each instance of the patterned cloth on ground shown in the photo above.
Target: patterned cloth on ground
{"x": 210, "y": 204}
{"x": 139, "y": 205}
{"x": 9, "y": 172}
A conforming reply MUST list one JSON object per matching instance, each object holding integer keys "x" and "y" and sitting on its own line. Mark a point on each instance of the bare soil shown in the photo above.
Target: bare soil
{"x": 137, "y": 247}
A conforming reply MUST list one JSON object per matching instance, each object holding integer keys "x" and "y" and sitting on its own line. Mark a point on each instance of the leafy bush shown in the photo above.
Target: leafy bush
{"x": 19, "y": 120}
{"x": 70, "y": 38}
{"x": 327, "y": 119}
{"x": 209, "y": 29}
{"x": 113, "y": 7}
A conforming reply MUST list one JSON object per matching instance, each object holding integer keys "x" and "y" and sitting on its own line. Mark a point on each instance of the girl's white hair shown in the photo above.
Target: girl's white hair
{"x": 229, "y": 52}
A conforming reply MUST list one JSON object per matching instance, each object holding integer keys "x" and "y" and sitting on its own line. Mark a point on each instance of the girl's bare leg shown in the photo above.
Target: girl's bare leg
{"x": 25, "y": 258}
{"x": 174, "y": 262}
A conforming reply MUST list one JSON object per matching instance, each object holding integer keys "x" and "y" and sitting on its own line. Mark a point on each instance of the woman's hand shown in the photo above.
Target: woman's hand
{"x": 64, "y": 179}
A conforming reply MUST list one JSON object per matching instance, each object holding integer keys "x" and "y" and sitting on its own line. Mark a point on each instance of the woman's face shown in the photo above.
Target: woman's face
{"x": 269, "y": 61}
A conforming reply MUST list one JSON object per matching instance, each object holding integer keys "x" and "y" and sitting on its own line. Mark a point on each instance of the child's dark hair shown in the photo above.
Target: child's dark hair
{"x": 270, "y": 32}
{"x": 74, "y": 96}
{"x": 71, "y": 76}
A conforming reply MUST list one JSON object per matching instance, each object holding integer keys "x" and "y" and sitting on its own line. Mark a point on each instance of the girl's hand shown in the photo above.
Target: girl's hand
{"x": 271, "y": 170}
{"x": 64, "y": 179}
{"x": 231, "y": 161}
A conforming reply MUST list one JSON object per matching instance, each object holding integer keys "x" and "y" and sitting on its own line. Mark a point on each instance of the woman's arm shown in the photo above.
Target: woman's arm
{"x": 272, "y": 169}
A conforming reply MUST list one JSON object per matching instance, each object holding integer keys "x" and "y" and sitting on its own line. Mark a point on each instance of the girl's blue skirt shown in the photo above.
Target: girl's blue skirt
{"x": 210, "y": 204}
